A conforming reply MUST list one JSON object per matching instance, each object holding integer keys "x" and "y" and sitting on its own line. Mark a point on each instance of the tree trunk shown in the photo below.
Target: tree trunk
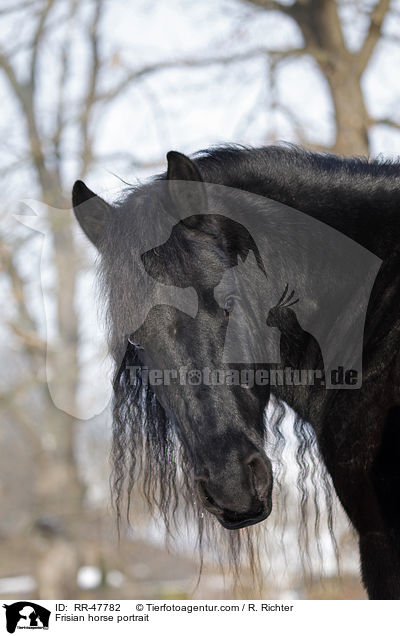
{"x": 351, "y": 116}
{"x": 322, "y": 31}
{"x": 321, "y": 28}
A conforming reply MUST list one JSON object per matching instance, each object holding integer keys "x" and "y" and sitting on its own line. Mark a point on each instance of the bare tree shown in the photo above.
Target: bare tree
{"x": 58, "y": 490}
{"x": 324, "y": 41}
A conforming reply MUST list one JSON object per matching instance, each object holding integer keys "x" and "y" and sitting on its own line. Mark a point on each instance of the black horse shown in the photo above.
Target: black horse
{"x": 206, "y": 440}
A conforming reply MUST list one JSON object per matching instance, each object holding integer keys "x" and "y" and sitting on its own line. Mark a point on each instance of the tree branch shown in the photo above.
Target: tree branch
{"x": 36, "y": 41}
{"x": 23, "y": 93}
{"x": 148, "y": 69}
{"x": 15, "y": 7}
{"x": 129, "y": 160}
{"x": 23, "y": 419}
{"x": 64, "y": 70}
{"x": 90, "y": 99}
{"x": 378, "y": 15}
{"x": 385, "y": 121}
{"x": 272, "y": 5}
{"x": 16, "y": 85}
{"x": 17, "y": 287}
{"x": 32, "y": 342}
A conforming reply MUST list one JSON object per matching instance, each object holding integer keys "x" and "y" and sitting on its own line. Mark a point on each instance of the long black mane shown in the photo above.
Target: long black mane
{"x": 312, "y": 182}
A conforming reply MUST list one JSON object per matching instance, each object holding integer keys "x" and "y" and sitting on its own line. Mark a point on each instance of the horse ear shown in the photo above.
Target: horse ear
{"x": 189, "y": 200}
{"x": 91, "y": 212}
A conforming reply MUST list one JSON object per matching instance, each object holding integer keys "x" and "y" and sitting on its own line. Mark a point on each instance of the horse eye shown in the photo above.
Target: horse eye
{"x": 135, "y": 344}
{"x": 228, "y": 306}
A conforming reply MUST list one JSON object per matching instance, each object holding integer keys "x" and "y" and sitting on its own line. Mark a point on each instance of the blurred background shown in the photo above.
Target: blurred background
{"x": 101, "y": 90}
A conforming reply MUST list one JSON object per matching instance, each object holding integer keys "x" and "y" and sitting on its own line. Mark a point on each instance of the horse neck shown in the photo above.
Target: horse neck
{"x": 358, "y": 198}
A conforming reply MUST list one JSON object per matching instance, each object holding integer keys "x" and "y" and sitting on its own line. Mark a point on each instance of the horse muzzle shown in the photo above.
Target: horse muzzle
{"x": 241, "y": 502}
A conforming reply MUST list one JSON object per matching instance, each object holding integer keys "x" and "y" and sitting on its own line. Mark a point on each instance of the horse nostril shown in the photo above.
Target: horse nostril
{"x": 206, "y": 499}
{"x": 260, "y": 474}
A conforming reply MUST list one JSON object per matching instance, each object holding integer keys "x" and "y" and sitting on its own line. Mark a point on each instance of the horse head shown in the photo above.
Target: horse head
{"x": 178, "y": 352}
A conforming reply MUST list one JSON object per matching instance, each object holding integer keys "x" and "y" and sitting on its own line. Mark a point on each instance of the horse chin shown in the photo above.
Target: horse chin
{"x": 233, "y": 521}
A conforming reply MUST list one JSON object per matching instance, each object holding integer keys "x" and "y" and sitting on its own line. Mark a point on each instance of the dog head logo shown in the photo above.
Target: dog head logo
{"x": 26, "y": 615}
